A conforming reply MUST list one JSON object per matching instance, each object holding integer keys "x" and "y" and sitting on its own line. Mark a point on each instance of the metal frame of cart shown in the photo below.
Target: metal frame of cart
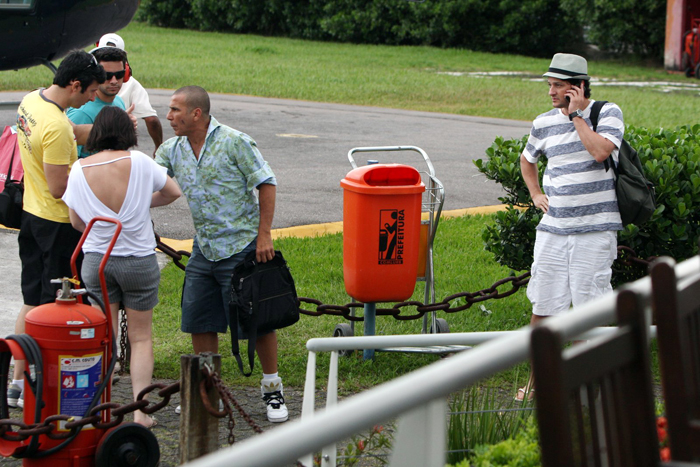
{"x": 431, "y": 208}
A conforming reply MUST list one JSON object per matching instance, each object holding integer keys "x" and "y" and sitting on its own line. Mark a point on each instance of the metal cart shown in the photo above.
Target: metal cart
{"x": 431, "y": 208}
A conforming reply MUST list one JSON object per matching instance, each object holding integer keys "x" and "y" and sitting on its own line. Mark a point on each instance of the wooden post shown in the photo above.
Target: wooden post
{"x": 199, "y": 430}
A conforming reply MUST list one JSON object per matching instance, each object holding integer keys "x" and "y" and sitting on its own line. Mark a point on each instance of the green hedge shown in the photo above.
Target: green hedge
{"x": 623, "y": 26}
{"x": 671, "y": 160}
{"x": 528, "y": 27}
{"x": 537, "y": 28}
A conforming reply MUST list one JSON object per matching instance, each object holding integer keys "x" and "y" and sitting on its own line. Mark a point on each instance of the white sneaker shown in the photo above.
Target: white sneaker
{"x": 273, "y": 395}
{"x": 14, "y": 394}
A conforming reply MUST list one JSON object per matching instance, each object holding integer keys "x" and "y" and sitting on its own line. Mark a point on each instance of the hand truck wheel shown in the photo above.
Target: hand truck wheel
{"x": 442, "y": 327}
{"x": 344, "y": 330}
{"x": 128, "y": 445}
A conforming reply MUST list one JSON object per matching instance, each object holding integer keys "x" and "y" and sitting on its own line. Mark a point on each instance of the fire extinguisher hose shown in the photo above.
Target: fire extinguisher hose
{"x": 33, "y": 361}
{"x": 33, "y": 353}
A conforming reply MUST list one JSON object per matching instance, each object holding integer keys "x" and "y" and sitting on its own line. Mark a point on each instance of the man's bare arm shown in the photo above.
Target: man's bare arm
{"x": 56, "y": 179}
{"x": 265, "y": 250}
{"x": 81, "y": 132}
{"x": 531, "y": 177}
{"x": 155, "y": 130}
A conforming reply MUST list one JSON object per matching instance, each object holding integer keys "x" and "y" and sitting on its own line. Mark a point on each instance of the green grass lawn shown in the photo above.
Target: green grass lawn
{"x": 386, "y": 76}
{"x": 396, "y": 77}
{"x": 461, "y": 265}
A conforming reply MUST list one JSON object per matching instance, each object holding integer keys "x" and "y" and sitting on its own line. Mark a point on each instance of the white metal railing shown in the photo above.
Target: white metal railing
{"x": 417, "y": 396}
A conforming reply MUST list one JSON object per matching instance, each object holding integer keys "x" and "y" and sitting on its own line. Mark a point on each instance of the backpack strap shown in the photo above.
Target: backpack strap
{"x": 595, "y": 113}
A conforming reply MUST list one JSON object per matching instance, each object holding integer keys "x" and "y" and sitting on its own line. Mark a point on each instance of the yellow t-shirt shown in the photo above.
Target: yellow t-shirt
{"x": 45, "y": 135}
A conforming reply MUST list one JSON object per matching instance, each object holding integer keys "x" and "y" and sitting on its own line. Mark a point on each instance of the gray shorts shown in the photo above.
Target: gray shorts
{"x": 132, "y": 280}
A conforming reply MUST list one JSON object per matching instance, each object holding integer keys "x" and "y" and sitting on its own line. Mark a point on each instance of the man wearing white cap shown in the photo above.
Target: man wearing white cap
{"x": 132, "y": 92}
{"x": 576, "y": 240}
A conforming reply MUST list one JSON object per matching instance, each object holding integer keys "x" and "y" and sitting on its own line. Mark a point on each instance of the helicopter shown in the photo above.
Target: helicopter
{"x": 37, "y": 32}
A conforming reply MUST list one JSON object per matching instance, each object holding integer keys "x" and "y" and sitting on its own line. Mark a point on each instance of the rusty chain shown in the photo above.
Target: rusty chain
{"x": 175, "y": 255}
{"x": 122, "y": 358}
{"x": 451, "y": 304}
{"x": 626, "y": 256}
{"x": 94, "y": 418}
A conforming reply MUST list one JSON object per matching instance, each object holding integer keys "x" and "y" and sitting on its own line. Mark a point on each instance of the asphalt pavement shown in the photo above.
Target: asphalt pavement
{"x": 307, "y": 145}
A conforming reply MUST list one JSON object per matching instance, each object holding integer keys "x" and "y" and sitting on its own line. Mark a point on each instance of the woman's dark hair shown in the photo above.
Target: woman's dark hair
{"x": 113, "y": 129}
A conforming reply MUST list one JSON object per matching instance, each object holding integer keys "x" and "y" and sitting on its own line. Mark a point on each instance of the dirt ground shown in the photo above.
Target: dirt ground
{"x": 167, "y": 430}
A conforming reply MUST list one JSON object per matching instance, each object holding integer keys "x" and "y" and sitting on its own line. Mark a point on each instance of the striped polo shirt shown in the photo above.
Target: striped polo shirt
{"x": 581, "y": 193}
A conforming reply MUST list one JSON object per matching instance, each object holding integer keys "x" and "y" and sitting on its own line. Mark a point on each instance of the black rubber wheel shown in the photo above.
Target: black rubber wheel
{"x": 686, "y": 64}
{"x": 697, "y": 71}
{"x": 343, "y": 330}
{"x": 442, "y": 327}
{"x": 128, "y": 445}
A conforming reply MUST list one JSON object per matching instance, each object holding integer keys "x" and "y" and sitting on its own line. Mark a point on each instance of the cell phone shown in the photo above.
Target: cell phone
{"x": 568, "y": 99}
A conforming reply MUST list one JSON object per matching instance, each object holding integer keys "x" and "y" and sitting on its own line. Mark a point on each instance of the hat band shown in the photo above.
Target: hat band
{"x": 565, "y": 72}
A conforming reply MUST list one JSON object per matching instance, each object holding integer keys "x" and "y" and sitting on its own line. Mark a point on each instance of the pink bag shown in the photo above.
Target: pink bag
{"x": 9, "y": 156}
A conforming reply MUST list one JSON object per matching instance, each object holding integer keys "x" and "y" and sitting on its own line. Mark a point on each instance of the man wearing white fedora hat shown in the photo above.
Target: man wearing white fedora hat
{"x": 576, "y": 240}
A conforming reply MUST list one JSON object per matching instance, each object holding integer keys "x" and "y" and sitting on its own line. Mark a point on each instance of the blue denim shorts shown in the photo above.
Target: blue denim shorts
{"x": 207, "y": 291}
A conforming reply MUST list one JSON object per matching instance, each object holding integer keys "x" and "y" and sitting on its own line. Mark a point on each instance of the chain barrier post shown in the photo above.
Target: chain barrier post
{"x": 199, "y": 431}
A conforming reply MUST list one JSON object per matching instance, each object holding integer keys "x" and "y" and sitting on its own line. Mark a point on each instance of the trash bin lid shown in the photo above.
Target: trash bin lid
{"x": 384, "y": 179}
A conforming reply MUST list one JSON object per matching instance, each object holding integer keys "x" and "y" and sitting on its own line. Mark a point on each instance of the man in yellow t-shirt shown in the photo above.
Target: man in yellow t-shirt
{"x": 47, "y": 144}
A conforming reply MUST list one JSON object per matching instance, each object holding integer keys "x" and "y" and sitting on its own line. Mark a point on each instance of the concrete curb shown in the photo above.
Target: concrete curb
{"x": 315, "y": 230}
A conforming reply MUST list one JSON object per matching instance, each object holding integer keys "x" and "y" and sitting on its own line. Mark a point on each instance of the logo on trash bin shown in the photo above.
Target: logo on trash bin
{"x": 391, "y": 231}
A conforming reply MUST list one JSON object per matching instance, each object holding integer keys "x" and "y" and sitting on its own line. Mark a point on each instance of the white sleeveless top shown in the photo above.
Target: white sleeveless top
{"x": 137, "y": 237}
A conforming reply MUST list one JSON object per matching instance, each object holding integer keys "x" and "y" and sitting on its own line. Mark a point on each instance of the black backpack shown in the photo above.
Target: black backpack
{"x": 636, "y": 198}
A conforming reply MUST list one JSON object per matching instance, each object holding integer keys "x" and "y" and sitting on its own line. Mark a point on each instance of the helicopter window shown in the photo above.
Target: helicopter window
{"x": 16, "y": 4}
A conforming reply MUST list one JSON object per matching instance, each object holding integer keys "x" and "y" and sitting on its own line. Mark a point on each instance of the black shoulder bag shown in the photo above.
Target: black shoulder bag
{"x": 263, "y": 298}
{"x": 11, "y": 199}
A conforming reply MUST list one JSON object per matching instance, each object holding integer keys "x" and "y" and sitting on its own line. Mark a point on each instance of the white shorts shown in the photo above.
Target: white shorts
{"x": 570, "y": 270}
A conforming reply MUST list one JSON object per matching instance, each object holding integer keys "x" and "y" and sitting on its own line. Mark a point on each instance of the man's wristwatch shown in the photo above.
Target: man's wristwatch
{"x": 575, "y": 113}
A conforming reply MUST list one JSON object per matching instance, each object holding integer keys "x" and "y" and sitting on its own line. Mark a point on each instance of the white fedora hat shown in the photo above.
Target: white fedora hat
{"x": 568, "y": 66}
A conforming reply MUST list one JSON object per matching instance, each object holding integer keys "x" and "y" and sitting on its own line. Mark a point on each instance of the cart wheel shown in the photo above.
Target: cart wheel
{"x": 442, "y": 327}
{"x": 697, "y": 71}
{"x": 128, "y": 445}
{"x": 343, "y": 330}
{"x": 687, "y": 65}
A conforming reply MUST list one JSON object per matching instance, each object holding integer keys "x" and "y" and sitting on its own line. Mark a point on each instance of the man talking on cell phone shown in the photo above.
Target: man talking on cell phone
{"x": 576, "y": 240}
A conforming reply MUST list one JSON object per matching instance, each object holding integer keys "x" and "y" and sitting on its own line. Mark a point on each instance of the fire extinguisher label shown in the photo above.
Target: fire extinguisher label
{"x": 80, "y": 377}
{"x": 391, "y": 236}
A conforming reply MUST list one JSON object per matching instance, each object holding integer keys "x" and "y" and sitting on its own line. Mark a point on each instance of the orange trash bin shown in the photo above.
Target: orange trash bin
{"x": 381, "y": 231}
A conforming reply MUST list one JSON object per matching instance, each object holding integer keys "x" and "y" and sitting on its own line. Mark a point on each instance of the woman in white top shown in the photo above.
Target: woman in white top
{"x": 123, "y": 185}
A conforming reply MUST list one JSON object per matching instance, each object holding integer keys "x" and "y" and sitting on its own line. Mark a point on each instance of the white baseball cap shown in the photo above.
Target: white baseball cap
{"x": 111, "y": 40}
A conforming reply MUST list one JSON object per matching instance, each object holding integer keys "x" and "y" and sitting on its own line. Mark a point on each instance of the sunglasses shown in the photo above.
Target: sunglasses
{"x": 115, "y": 74}
{"x": 93, "y": 62}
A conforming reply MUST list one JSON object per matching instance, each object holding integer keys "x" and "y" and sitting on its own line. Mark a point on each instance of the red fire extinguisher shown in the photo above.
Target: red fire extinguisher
{"x": 70, "y": 351}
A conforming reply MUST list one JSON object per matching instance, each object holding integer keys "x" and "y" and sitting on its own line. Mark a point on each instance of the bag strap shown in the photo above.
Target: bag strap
{"x": 595, "y": 113}
{"x": 12, "y": 159}
{"x": 253, "y": 331}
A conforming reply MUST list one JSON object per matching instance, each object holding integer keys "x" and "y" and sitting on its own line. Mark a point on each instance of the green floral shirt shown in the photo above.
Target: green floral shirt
{"x": 219, "y": 187}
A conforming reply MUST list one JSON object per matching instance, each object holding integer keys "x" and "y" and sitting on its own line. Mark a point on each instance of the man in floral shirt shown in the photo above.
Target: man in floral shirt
{"x": 218, "y": 169}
